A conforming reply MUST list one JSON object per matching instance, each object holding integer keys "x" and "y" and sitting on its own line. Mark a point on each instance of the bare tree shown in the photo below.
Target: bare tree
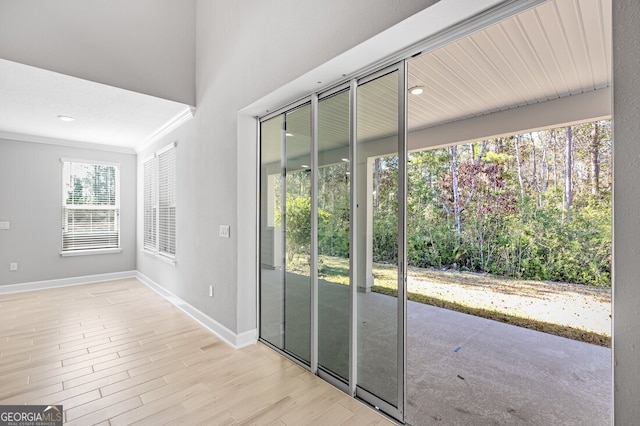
{"x": 519, "y": 164}
{"x": 456, "y": 191}
{"x": 595, "y": 159}
{"x": 568, "y": 169}
{"x": 544, "y": 167}
{"x": 476, "y": 170}
{"x": 458, "y": 205}
{"x": 535, "y": 169}
{"x": 554, "y": 162}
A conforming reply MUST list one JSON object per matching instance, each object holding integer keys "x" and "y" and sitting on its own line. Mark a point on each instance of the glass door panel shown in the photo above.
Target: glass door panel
{"x": 297, "y": 231}
{"x": 271, "y": 236}
{"x": 333, "y": 234}
{"x": 377, "y": 180}
{"x": 355, "y": 193}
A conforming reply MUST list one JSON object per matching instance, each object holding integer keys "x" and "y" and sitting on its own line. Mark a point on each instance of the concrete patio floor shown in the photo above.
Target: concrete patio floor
{"x": 461, "y": 369}
{"x": 501, "y": 374}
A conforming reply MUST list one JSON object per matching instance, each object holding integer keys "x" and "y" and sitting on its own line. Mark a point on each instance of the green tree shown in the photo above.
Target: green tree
{"x": 298, "y": 226}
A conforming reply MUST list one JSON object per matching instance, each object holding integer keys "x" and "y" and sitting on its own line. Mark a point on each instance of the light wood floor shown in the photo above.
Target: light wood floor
{"x": 117, "y": 353}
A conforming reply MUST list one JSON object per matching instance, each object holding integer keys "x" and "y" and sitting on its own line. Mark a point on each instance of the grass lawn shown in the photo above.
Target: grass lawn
{"x": 569, "y": 310}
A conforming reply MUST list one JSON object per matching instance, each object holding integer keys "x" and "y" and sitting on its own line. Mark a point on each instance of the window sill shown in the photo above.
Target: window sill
{"x": 89, "y": 252}
{"x": 159, "y": 256}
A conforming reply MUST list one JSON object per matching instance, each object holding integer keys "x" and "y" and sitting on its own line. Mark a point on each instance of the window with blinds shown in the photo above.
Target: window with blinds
{"x": 150, "y": 204}
{"x": 159, "y": 208}
{"x": 90, "y": 206}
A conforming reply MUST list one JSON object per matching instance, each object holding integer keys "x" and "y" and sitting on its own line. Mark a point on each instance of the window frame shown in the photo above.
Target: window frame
{"x": 67, "y": 208}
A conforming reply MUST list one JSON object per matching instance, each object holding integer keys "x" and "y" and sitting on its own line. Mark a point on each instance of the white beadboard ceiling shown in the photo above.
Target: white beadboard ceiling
{"x": 556, "y": 50}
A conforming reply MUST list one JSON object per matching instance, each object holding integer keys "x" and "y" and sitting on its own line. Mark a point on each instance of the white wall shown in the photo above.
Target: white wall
{"x": 626, "y": 237}
{"x": 170, "y": 276}
{"x": 626, "y": 123}
{"x": 30, "y": 199}
{"x": 146, "y": 46}
{"x": 244, "y": 51}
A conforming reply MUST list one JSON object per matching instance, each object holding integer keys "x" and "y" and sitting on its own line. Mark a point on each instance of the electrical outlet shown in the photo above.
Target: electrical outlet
{"x": 5, "y": 225}
{"x": 13, "y": 266}
{"x": 210, "y": 291}
{"x": 225, "y": 231}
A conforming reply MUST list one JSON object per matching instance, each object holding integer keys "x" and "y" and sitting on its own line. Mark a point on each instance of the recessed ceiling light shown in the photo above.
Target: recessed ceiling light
{"x": 289, "y": 134}
{"x": 304, "y": 166}
{"x": 417, "y": 90}
{"x": 65, "y": 118}
{"x": 346, "y": 160}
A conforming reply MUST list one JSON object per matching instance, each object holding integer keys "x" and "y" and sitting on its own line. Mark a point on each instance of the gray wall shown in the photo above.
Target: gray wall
{"x": 626, "y": 238}
{"x": 30, "y": 199}
{"x": 244, "y": 51}
{"x": 145, "y": 45}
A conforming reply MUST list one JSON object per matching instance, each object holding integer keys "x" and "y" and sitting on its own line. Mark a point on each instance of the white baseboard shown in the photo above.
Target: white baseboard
{"x": 237, "y": 341}
{"x": 65, "y": 282}
{"x": 247, "y": 338}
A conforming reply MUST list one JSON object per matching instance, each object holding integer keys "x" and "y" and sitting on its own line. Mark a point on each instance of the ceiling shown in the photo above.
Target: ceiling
{"x": 556, "y": 50}
{"x": 31, "y": 99}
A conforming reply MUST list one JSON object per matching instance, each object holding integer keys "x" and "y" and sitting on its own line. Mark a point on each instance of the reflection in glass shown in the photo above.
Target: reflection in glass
{"x": 333, "y": 234}
{"x": 377, "y": 188}
{"x": 271, "y": 237}
{"x": 286, "y": 230}
{"x": 297, "y": 232}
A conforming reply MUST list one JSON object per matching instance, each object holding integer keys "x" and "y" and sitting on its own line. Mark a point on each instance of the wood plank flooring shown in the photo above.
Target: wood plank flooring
{"x": 116, "y": 353}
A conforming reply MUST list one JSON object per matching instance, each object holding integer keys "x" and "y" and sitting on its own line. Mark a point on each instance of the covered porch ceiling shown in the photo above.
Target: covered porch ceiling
{"x": 559, "y": 49}
{"x": 548, "y": 66}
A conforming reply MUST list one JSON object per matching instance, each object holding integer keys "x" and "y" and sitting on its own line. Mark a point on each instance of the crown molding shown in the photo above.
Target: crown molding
{"x": 64, "y": 142}
{"x": 182, "y": 117}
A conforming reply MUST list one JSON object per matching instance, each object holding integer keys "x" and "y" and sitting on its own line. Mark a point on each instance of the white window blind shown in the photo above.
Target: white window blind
{"x": 151, "y": 204}
{"x": 160, "y": 202}
{"x": 167, "y": 202}
{"x": 90, "y": 206}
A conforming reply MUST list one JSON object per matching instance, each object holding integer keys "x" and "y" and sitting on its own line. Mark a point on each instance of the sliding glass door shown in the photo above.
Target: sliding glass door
{"x": 271, "y": 232}
{"x": 296, "y": 211}
{"x": 380, "y": 241}
{"x": 333, "y": 213}
{"x": 332, "y": 236}
{"x": 285, "y": 234}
